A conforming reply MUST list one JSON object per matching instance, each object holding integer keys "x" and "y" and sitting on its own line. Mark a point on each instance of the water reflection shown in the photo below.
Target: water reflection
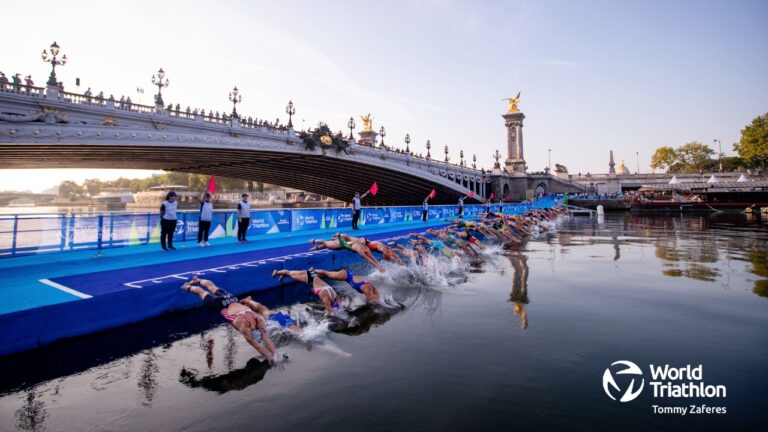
{"x": 32, "y": 415}
{"x": 365, "y": 318}
{"x": 238, "y": 379}
{"x": 518, "y": 295}
{"x": 148, "y": 378}
{"x": 759, "y": 261}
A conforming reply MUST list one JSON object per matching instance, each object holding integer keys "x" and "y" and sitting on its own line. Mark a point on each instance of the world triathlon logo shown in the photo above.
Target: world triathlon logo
{"x": 620, "y": 368}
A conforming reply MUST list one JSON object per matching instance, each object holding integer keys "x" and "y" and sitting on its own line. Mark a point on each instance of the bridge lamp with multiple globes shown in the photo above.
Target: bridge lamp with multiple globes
{"x": 446, "y": 154}
{"x": 474, "y": 161}
{"x": 235, "y": 97}
{"x": 54, "y": 52}
{"x": 160, "y": 81}
{"x": 461, "y": 156}
{"x": 407, "y": 144}
{"x": 290, "y": 110}
{"x": 351, "y": 126}
{"x": 382, "y": 133}
{"x": 429, "y": 146}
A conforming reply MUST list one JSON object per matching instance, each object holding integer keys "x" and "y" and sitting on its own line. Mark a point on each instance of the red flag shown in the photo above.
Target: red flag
{"x": 374, "y": 189}
{"x": 471, "y": 194}
{"x": 492, "y": 196}
{"x": 211, "y": 185}
{"x": 507, "y": 198}
{"x": 432, "y": 194}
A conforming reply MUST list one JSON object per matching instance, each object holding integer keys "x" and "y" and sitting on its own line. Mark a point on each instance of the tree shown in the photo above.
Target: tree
{"x": 753, "y": 146}
{"x": 691, "y": 157}
{"x": 69, "y": 189}
{"x": 664, "y": 158}
{"x": 92, "y": 186}
{"x": 695, "y": 156}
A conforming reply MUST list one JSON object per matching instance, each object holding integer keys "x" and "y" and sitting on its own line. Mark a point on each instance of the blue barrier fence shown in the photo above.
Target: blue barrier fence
{"x": 24, "y": 234}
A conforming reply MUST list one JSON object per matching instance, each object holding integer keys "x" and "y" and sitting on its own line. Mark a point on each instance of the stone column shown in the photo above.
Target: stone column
{"x": 515, "y": 162}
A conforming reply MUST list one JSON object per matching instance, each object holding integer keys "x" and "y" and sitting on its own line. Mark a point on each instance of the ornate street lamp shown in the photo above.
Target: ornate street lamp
{"x": 160, "y": 81}
{"x": 429, "y": 146}
{"x": 497, "y": 156}
{"x": 382, "y": 134}
{"x": 474, "y": 161}
{"x": 235, "y": 97}
{"x": 407, "y": 143}
{"x": 351, "y": 126}
{"x": 54, "y": 51}
{"x": 290, "y": 110}
{"x": 446, "y": 154}
{"x": 461, "y": 155}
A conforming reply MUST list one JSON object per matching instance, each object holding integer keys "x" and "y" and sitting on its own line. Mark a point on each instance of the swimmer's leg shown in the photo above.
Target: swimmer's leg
{"x": 195, "y": 290}
{"x": 339, "y": 275}
{"x": 297, "y": 275}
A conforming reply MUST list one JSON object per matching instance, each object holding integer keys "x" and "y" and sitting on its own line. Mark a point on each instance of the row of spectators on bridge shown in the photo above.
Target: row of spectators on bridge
{"x": 17, "y": 82}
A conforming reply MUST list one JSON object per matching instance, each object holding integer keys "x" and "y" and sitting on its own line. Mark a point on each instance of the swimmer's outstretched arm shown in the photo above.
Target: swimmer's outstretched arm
{"x": 264, "y": 351}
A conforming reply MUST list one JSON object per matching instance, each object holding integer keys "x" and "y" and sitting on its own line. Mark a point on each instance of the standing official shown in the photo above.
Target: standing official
{"x": 461, "y": 206}
{"x": 206, "y": 216}
{"x": 243, "y": 218}
{"x": 356, "y": 208}
{"x": 168, "y": 220}
{"x": 425, "y": 209}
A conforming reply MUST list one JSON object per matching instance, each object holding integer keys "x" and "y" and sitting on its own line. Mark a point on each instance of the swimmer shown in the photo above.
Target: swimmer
{"x": 435, "y": 244}
{"x": 415, "y": 253}
{"x": 240, "y": 316}
{"x": 363, "y": 286}
{"x": 318, "y": 287}
{"x": 284, "y": 320}
{"x": 342, "y": 242}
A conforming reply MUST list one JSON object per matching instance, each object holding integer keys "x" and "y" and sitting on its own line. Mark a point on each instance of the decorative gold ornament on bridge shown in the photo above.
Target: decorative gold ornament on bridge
{"x": 109, "y": 121}
{"x": 367, "y": 122}
{"x": 326, "y": 140}
{"x": 513, "y": 103}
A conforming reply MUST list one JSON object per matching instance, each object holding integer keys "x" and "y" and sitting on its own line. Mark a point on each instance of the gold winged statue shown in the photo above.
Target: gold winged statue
{"x": 513, "y": 103}
{"x": 367, "y": 122}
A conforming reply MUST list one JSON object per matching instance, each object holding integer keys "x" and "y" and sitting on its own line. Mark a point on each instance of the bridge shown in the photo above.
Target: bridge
{"x": 39, "y": 199}
{"x": 49, "y": 128}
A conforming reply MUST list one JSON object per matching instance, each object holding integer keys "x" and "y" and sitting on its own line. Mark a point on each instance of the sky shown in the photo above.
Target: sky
{"x": 595, "y": 76}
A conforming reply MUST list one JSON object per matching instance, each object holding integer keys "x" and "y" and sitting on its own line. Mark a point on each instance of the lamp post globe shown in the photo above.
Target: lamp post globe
{"x": 407, "y": 143}
{"x": 53, "y": 59}
{"x": 382, "y": 133}
{"x": 290, "y": 110}
{"x": 160, "y": 81}
{"x": 351, "y": 126}
{"x": 235, "y": 97}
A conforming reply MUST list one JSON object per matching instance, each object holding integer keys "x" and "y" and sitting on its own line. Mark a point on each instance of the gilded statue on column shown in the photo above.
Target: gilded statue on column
{"x": 367, "y": 122}
{"x": 513, "y": 103}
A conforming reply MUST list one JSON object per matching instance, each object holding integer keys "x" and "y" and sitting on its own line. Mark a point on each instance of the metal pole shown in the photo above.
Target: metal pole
{"x": 100, "y": 233}
{"x": 15, "y": 230}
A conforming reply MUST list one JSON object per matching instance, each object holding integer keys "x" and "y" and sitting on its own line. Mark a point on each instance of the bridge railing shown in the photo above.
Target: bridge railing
{"x": 24, "y": 89}
{"x": 26, "y": 234}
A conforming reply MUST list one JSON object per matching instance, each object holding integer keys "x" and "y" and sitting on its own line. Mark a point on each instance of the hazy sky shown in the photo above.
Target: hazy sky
{"x": 594, "y": 75}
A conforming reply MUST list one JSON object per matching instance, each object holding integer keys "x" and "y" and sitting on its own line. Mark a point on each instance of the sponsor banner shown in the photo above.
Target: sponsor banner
{"x": 395, "y": 214}
{"x": 305, "y": 220}
{"x": 270, "y": 222}
{"x": 373, "y": 216}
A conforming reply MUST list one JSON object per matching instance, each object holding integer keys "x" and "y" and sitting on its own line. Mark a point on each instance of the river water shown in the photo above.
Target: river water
{"x": 521, "y": 341}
